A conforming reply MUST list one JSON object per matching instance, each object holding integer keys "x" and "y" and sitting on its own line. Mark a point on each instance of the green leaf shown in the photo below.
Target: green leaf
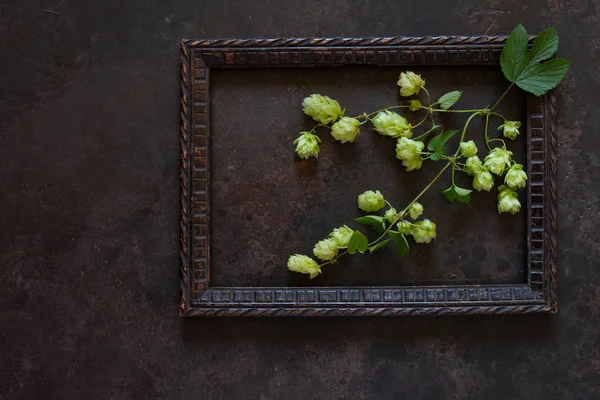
{"x": 525, "y": 68}
{"x": 400, "y": 241}
{"x": 513, "y": 58}
{"x": 456, "y": 193}
{"x": 374, "y": 221}
{"x": 436, "y": 144}
{"x": 378, "y": 245}
{"x": 439, "y": 140}
{"x": 545, "y": 44}
{"x": 543, "y": 77}
{"x": 448, "y": 100}
{"x": 438, "y": 154}
{"x": 359, "y": 242}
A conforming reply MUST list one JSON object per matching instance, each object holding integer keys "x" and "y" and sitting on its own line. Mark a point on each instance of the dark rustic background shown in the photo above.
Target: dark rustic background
{"x": 89, "y": 97}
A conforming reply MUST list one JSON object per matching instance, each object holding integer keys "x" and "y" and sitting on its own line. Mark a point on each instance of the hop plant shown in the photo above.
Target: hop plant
{"x": 472, "y": 165}
{"x": 307, "y": 145}
{"x": 304, "y": 265}
{"x": 423, "y": 231}
{"x": 341, "y": 236}
{"x": 497, "y": 160}
{"x": 410, "y": 83}
{"x": 371, "y": 201}
{"x": 414, "y": 105}
{"x": 510, "y": 129}
{"x": 345, "y": 130}
{"x": 322, "y": 109}
{"x": 468, "y": 149}
{"x": 416, "y": 209}
{"x": 530, "y": 70}
{"x": 508, "y": 200}
{"x": 483, "y": 180}
{"x": 515, "y": 177}
{"x": 391, "y": 124}
{"x": 404, "y": 227}
{"x": 326, "y": 249}
{"x": 390, "y": 215}
{"x": 409, "y": 151}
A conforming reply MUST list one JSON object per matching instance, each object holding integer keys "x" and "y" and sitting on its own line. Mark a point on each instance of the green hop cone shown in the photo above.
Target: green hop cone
{"x": 322, "y": 109}
{"x": 483, "y": 180}
{"x": 390, "y": 215}
{"x": 416, "y": 210}
{"x": 409, "y": 151}
{"x": 410, "y": 83}
{"x": 497, "y": 160}
{"x": 371, "y": 201}
{"x": 307, "y": 145}
{"x": 423, "y": 231}
{"x": 508, "y": 200}
{"x": 472, "y": 165}
{"x": 404, "y": 227}
{"x": 326, "y": 249}
{"x": 304, "y": 265}
{"x": 345, "y": 130}
{"x": 391, "y": 124}
{"x": 414, "y": 105}
{"x": 468, "y": 149}
{"x": 510, "y": 129}
{"x": 341, "y": 236}
{"x": 515, "y": 177}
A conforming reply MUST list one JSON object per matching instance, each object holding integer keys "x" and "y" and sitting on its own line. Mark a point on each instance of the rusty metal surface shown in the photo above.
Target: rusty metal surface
{"x": 89, "y": 239}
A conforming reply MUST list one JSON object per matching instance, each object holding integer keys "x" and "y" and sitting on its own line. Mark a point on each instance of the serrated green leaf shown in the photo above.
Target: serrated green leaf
{"x": 524, "y": 68}
{"x": 545, "y": 44}
{"x": 456, "y": 193}
{"x": 374, "y": 221}
{"x": 359, "y": 242}
{"x": 438, "y": 154}
{"x": 378, "y": 245}
{"x": 436, "y": 144}
{"x": 401, "y": 243}
{"x": 542, "y": 77}
{"x": 513, "y": 58}
{"x": 439, "y": 140}
{"x": 448, "y": 100}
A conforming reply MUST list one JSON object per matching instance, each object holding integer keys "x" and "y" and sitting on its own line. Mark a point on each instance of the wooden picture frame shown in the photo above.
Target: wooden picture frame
{"x": 198, "y": 298}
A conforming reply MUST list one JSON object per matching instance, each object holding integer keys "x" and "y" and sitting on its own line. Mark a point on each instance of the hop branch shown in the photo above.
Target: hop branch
{"x": 524, "y": 68}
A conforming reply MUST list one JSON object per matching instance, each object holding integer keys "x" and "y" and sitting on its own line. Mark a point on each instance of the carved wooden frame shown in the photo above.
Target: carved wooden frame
{"x": 198, "y": 298}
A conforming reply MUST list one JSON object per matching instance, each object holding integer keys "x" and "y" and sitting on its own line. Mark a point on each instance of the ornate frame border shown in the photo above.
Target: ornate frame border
{"x": 198, "y": 298}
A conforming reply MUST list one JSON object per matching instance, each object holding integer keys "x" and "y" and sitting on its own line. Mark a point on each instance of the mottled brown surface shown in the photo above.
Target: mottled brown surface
{"x": 89, "y": 214}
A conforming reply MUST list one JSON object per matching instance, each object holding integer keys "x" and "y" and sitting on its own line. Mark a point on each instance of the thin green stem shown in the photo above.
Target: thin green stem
{"x": 423, "y": 136}
{"x": 318, "y": 126}
{"x": 499, "y": 140}
{"x": 432, "y": 120}
{"x": 383, "y": 109}
{"x": 426, "y": 187}
{"x": 487, "y": 139}
{"x": 501, "y": 97}
{"x": 462, "y": 138}
{"x": 334, "y": 259}
{"x": 423, "y": 120}
{"x": 428, "y": 97}
{"x": 499, "y": 115}
{"x": 457, "y": 111}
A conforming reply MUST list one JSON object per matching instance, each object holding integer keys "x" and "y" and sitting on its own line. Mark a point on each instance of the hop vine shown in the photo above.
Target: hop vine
{"x": 531, "y": 70}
